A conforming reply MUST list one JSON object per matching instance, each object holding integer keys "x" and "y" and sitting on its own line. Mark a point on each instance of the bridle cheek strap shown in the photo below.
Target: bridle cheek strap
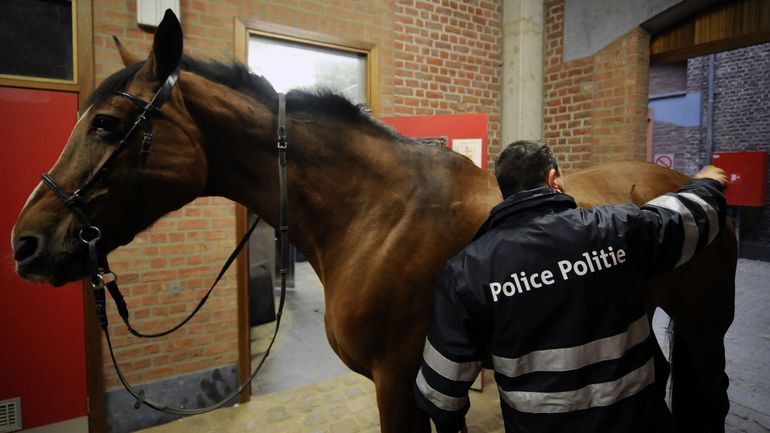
{"x": 152, "y": 110}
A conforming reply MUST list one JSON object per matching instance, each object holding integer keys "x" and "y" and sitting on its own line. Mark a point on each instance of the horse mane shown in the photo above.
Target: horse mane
{"x": 112, "y": 84}
{"x": 237, "y": 76}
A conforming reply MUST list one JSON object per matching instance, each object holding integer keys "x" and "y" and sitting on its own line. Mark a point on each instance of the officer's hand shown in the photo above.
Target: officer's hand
{"x": 711, "y": 172}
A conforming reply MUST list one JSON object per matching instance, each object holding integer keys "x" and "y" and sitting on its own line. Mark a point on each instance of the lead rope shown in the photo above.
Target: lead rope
{"x": 98, "y": 282}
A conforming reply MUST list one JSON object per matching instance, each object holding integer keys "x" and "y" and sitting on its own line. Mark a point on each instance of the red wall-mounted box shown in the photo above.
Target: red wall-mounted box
{"x": 747, "y": 174}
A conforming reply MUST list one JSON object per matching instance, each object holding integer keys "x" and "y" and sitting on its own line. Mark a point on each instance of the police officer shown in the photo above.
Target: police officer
{"x": 551, "y": 292}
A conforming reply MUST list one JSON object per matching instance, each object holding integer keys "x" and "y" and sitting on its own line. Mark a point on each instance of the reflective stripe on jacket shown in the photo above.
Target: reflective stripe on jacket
{"x": 552, "y": 293}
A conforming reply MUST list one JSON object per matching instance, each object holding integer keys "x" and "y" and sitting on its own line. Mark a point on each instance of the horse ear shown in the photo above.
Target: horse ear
{"x": 128, "y": 57}
{"x": 166, "y": 47}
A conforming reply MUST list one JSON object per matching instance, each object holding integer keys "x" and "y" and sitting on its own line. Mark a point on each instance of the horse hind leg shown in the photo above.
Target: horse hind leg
{"x": 699, "y": 384}
{"x": 699, "y": 399}
{"x": 702, "y": 304}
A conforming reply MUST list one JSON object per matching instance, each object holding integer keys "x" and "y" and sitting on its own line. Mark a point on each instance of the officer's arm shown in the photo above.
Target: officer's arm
{"x": 450, "y": 360}
{"x": 686, "y": 221}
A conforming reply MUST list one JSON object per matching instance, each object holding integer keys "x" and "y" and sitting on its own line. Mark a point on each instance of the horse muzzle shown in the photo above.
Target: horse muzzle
{"x": 36, "y": 263}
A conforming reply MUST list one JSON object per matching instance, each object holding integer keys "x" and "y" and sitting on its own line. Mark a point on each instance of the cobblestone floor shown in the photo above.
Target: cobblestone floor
{"x": 342, "y": 404}
{"x": 305, "y": 389}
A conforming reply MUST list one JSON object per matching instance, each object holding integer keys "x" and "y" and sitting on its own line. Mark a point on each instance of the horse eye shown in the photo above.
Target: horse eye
{"x": 105, "y": 123}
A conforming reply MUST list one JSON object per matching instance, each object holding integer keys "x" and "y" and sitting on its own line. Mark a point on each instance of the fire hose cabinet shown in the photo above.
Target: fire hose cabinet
{"x": 747, "y": 176}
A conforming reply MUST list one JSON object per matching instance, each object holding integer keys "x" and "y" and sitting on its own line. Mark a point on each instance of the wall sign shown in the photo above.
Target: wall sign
{"x": 469, "y": 147}
{"x": 664, "y": 159}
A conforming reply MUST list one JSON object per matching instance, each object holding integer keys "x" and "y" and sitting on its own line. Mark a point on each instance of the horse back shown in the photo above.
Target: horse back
{"x": 622, "y": 182}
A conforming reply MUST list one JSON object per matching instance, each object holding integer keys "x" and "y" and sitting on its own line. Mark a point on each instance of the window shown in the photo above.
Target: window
{"x": 36, "y": 42}
{"x": 289, "y": 65}
{"x": 294, "y": 58}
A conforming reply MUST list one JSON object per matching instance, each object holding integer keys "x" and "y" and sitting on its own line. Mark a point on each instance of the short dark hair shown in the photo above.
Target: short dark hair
{"x": 524, "y": 165}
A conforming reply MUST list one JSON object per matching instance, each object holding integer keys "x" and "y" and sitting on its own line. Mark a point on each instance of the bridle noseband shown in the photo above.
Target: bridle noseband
{"x": 102, "y": 277}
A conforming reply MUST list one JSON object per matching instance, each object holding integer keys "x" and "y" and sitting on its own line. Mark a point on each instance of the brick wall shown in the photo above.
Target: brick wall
{"x": 447, "y": 60}
{"x": 163, "y": 273}
{"x": 435, "y": 58}
{"x": 595, "y": 108}
{"x": 668, "y": 78}
{"x": 621, "y": 74}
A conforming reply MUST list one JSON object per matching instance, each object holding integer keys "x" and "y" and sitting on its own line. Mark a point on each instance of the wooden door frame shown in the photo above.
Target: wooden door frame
{"x": 97, "y": 413}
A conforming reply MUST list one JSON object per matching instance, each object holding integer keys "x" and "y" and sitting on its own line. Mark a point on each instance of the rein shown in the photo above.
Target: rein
{"x": 102, "y": 277}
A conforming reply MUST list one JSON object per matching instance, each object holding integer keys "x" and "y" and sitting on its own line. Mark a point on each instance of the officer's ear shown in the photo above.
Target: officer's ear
{"x": 554, "y": 180}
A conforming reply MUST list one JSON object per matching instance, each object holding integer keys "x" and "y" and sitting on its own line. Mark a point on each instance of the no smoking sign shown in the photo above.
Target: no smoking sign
{"x": 664, "y": 159}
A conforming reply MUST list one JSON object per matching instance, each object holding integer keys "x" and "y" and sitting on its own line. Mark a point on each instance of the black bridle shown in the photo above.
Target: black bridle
{"x": 102, "y": 277}
{"x": 150, "y": 111}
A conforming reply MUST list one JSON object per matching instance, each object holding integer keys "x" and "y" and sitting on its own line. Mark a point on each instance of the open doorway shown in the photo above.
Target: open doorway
{"x": 711, "y": 104}
{"x": 703, "y": 107}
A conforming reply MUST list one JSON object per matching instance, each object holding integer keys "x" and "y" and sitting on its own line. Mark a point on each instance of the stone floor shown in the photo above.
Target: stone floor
{"x": 304, "y": 388}
{"x": 342, "y": 404}
{"x": 747, "y": 344}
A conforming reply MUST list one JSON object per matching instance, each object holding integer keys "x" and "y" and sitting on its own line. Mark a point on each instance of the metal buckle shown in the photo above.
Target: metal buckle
{"x": 282, "y": 137}
{"x": 104, "y": 279}
{"x": 96, "y": 237}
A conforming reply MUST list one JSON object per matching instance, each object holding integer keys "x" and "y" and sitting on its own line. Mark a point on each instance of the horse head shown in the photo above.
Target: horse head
{"x": 109, "y": 174}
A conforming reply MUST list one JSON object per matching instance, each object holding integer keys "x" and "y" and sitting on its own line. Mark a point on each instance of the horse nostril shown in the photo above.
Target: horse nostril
{"x": 25, "y": 248}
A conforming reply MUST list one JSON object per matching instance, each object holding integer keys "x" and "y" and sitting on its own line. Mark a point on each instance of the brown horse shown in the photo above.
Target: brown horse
{"x": 376, "y": 214}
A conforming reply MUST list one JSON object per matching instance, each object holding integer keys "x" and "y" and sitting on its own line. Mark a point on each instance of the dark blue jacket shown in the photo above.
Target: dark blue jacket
{"x": 553, "y": 294}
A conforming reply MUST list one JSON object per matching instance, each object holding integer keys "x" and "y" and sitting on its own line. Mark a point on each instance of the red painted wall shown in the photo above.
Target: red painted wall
{"x": 41, "y": 327}
{"x": 451, "y": 126}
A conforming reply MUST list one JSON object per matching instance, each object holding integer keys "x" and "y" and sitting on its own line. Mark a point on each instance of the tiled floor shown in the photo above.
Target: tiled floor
{"x": 304, "y": 388}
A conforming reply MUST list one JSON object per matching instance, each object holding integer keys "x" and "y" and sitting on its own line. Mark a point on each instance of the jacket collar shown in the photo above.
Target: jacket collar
{"x": 540, "y": 199}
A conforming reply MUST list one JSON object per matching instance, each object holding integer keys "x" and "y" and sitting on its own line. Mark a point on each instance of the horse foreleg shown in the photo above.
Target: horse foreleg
{"x": 395, "y": 401}
{"x": 393, "y": 373}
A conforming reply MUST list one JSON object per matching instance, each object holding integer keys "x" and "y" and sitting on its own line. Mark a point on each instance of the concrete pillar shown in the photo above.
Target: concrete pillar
{"x": 522, "y": 95}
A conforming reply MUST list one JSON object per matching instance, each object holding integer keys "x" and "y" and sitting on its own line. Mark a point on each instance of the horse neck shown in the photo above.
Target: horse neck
{"x": 336, "y": 171}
